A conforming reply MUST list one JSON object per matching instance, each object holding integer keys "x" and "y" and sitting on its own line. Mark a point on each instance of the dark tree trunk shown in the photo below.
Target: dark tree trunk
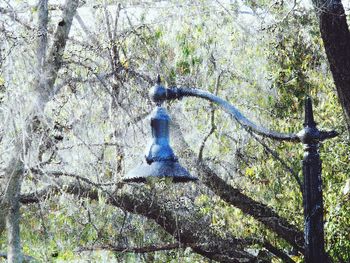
{"x": 336, "y": 38}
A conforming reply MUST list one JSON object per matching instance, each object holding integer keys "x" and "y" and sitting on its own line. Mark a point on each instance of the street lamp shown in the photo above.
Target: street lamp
{"x": 160, "y": 160}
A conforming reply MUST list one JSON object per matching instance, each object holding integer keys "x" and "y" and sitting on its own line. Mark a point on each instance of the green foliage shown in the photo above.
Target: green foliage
{"x": 295, "y": 53}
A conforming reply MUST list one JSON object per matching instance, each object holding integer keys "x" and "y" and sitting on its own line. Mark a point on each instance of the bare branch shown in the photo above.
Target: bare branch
{"x": 195, "y": 229}
{"x": 277, "y": 252}
{"x": 212, "y": 120}
{"x": 86, "y": 30}
{"x": 146, "y": 249}
{"x": 277, "y": 157}
{"x": 235, "y": 197}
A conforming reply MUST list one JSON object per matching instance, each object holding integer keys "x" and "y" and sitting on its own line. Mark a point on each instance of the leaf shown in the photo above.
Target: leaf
{"x": 249, "y": 171}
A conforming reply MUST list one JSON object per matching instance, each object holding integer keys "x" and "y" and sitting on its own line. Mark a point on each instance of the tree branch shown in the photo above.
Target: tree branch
{"x": 183, "y": 220}
{"x": 212, "y": 120}
{"x": 146, "y": 249}
{"x": 43, "y": 18}
{"x": 54, "y": 59}
{"x": 235, "y": 197}
{"x": 284, "y": 164}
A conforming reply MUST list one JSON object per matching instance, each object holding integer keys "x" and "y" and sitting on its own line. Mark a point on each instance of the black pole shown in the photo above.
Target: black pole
{"x": 311, "y": 137}
{"x": 312, "y": 190}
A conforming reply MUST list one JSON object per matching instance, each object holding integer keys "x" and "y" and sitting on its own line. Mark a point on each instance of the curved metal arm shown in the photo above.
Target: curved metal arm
{"x": 159, "y": 94}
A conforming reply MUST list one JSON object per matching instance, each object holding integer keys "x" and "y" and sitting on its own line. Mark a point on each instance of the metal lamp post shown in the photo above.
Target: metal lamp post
{"x": 160, "y": 160}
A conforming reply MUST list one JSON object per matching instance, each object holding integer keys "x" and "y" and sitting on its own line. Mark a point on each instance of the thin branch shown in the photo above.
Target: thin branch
{"x": 145, "y": 249}
{"x": 86, "y": 30}
{"x": 212, "y": 119}
{"x": 77, "y": 177}
{"x": 277, "y": 157}
{"x": 211, "y": 131}
{"x": 278, "y": 252}
{"x": 119, "y": 8}
{"x": 109, "y": 32}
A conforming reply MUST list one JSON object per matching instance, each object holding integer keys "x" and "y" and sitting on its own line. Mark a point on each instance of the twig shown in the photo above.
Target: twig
{"x": 212, "y": 119}
{"x": 212, "y": 129}
{"x": 77, "y": 177}
{"x": 284, "y": 164}
{"x": 146, "y": 249}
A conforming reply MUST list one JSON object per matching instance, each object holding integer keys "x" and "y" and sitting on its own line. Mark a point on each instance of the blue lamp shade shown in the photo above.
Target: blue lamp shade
{"x": 160, "y": 160}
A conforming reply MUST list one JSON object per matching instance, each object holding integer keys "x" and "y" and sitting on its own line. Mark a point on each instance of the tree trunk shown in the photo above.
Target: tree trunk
{"x": 336, "y": 38}
{"x": 45, "y": 79}
{"x": 11, "y": 204}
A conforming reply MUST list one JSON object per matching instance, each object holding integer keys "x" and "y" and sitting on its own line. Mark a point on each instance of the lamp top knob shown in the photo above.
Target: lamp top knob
{"x": 158, "y": 93}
